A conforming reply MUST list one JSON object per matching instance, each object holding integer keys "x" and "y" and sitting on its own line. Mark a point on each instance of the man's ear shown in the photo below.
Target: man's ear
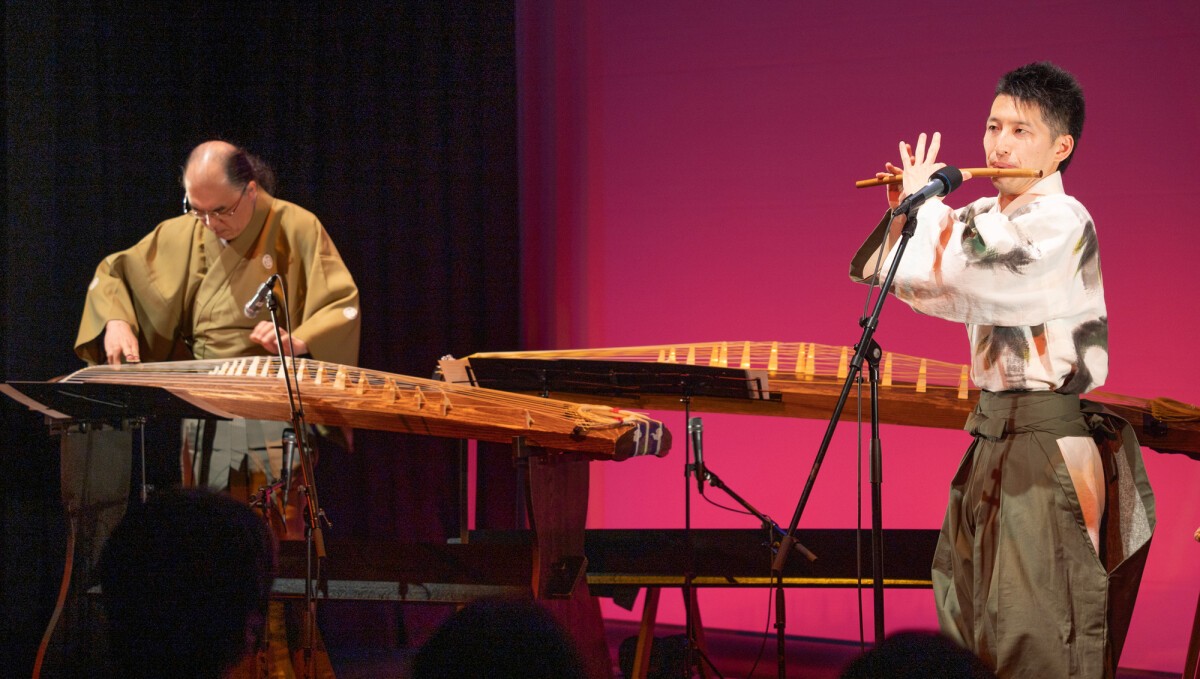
{"x": 1064, "y": 145}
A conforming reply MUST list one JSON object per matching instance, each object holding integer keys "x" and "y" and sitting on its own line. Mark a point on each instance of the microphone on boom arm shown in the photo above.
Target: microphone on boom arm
{"x": 941, "y": 183}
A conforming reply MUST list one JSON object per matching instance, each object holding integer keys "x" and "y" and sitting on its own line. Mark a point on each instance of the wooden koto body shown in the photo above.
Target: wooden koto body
{"x": 339, "y": 395}
{"x": 804, "y": 379}
{"x": 552, "y": 566}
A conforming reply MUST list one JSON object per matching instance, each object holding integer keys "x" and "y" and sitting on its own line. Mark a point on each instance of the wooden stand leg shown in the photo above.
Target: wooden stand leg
{"x": 95, "y": 476}
{"x": 698, "y": 632}
{"x": 641, "y": 658}
{"x": 1189, "y": 668}
{"x": 558, "y": 491}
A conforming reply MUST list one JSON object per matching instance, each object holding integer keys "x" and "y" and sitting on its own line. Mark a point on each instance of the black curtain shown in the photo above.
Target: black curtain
{"x": 395, "y": 123}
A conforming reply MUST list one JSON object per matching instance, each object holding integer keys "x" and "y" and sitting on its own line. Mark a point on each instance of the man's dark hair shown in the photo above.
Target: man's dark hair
{"x": 184, "y": 581}
{"x": 1055, "y": 92}
{"x": 242, "y": 167}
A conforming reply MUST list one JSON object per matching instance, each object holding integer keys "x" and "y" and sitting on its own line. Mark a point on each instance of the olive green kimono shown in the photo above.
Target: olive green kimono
{"x": 183, "y": 291}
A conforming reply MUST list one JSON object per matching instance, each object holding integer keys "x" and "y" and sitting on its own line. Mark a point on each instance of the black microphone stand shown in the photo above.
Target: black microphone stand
{"x": 314, "y": 540}
{"x": 706, "y": 475}
{"x": 867, "y": 350}
{"x": 624, "y": 378}
{"x": 694, "y": 654}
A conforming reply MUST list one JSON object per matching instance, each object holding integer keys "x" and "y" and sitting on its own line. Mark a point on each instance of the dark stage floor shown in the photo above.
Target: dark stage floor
{"x": 733, "y": 654}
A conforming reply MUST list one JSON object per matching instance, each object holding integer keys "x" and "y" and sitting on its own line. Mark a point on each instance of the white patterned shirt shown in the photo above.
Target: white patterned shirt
{"x": 1025, "y": 280}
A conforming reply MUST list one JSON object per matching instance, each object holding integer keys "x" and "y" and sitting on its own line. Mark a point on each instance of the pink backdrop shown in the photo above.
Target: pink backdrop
{"x": 687, "y": 175}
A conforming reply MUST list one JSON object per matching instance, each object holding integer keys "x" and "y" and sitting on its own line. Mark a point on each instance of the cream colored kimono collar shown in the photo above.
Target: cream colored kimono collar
{"x": 1047, "y": 186}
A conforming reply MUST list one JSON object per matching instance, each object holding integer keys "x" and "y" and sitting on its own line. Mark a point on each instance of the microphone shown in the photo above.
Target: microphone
{"x": 289, "y": 455}
{"x": 696, "y": 429}
{"x": 940, "y": 183}
{"x": 260, "y": 298}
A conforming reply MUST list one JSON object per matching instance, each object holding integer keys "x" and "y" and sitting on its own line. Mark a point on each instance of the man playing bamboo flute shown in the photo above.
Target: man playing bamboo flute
{"x": 1050, "y": 513}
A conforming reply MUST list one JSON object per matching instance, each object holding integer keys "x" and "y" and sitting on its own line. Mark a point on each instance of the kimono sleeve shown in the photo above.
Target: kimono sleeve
{"x": 108, "y": 298}
{"x": 863, "y": 265}
{"x": 331, "y": 323}
{"x": 987, "y": 268}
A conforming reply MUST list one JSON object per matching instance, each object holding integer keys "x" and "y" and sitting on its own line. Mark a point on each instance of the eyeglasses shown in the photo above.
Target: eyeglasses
{"x": 219, "y": 213}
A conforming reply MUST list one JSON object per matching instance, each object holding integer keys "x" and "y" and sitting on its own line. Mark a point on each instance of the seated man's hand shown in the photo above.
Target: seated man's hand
{"x": 264, "y": 334}
{"x": 120, "y": 344}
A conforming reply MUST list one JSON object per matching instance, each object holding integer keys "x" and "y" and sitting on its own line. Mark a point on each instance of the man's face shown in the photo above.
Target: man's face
{"x": 1017, "y": 136}
{"x": 225, "y": 210}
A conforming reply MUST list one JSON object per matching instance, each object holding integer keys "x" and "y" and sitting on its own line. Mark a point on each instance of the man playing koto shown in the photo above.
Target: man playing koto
{"x": 179, "y": 294}
{"x": 1050, "y": 512}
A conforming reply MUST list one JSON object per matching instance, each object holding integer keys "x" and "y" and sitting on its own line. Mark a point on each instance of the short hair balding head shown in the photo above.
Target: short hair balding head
{"x": 220, "y": 161}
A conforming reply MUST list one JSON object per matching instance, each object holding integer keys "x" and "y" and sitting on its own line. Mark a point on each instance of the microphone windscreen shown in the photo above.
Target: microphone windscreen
{"x": 951, "y": 177}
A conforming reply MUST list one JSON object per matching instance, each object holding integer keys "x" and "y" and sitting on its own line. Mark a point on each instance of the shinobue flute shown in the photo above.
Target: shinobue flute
{"x": 975, "y": 172}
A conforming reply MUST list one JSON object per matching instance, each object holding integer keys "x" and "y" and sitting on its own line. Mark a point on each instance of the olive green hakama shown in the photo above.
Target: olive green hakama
{"x": 1016, "y": 576}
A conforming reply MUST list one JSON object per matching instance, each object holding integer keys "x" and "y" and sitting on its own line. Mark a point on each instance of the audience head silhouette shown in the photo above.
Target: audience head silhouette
{"x": 917, "y": 655}
{"x": 185, "y": 580}
{"x": 499, "y": 639}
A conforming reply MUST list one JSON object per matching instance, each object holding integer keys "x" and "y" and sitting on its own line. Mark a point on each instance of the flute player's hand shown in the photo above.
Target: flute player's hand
{"x": 919, "y": 164}
{"x": 894, "y": 189}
